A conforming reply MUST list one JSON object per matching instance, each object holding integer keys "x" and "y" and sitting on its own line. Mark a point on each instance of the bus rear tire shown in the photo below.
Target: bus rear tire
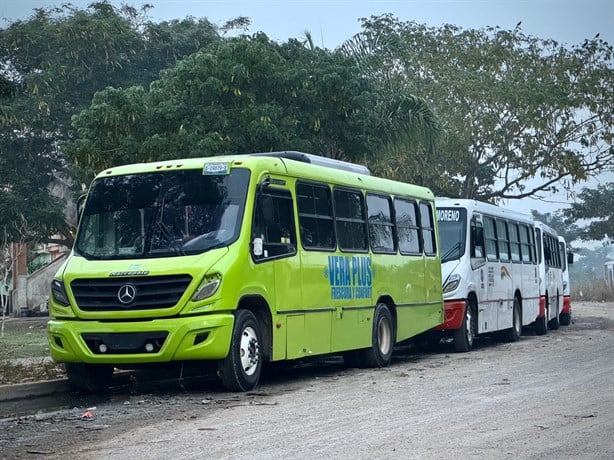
{"x": 382, "y": 339}
{"x": 89, "y": 378}
{"x": 464, "y": 335}
{"x": 241, "y": 369}
{"x": 554, "y": 323}
{"x": 353, "y": 359}
{"x": 541, "y": 324}
{"x": 565, "y": 319}
{"x": 513, "y": 334}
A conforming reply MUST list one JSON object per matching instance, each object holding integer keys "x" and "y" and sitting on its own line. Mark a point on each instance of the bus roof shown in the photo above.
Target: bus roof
{"x": 480, "y": 206}
{"x": 350, "y": 175}
{"x": 546, "y": 228}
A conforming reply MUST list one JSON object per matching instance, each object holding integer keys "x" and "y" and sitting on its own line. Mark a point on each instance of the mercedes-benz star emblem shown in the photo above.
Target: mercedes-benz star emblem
{"x": 126, "y": 294}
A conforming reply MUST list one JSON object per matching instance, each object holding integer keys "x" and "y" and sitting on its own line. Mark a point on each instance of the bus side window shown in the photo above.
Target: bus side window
{"x": 547, "y": 252}
{"x": 490, "y": 238}
{"x": 315, "y": 216}
{"x": 477, "y": 239}
{"x": 428, "y": 229}
{"x": 406, "y": 221}
{"x": 350, "y": 220}
{"x": 274, "y": 225}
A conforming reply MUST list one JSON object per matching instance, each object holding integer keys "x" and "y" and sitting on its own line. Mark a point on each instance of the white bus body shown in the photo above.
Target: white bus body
{"x": 551, "y": 278}
{"x": 489, "y": 270}
{"x": 567, "y": 259}
{"x": 609, "y": 272}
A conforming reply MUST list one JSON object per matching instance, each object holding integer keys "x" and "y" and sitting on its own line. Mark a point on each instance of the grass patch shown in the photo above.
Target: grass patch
{"x": 24, "y": 339}
{"x": 33, "y": 370}
{"x": 597, "y": 291}
{"x": 24, "y": 352}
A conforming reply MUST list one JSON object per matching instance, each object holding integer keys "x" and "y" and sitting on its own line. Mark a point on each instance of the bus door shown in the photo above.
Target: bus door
{"x": 274, "y": 248}
{"x": 478, "y": 281}
{"x": 504, "y": 284}
{"x": 489, "y": 304}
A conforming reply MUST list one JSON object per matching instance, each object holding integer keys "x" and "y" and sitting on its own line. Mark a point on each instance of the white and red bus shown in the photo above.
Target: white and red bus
{"x": 490, "y": 272}
{"x": 567, "y": 259}
{"x": 550, "y": 263}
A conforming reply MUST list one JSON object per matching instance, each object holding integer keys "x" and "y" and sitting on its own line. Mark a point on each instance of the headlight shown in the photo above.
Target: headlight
{"x": 208, "y": 287}
{"x": 451, "y": 283}
{"x": 59, "y": 293}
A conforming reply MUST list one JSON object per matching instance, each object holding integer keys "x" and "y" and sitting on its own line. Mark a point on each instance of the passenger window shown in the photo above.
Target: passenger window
{"x": 428, "y": 229}
{"x": 381, "y": 229}
{"x": 406, "y": 219}
{"x": 514, "y": 242}
{"x": 526, "y": 246}
{"x": 503, "y": 241}
{"x": 274, "y": 225}
{"x": 315, "y": 216}
{"x": 490, "y": 238}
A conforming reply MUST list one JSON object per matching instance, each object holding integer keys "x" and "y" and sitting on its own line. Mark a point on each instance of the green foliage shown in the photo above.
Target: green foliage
{"x": 521, "y": 114}
{"x": 563, "y": 226}
{"x": 487, "y": 114}
{"x": 588, "y": 266}
{"x": 240, "y": 95}
{"x": 51, "y": 66}
{"x": 597, "y": 205}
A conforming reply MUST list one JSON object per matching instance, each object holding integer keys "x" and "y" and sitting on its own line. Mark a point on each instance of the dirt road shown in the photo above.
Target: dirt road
{"x": 546, "y": 397}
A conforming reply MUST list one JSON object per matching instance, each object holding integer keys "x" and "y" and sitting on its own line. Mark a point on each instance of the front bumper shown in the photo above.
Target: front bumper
{"x": 172, "y": 339}
{"x": 455, "y": 314}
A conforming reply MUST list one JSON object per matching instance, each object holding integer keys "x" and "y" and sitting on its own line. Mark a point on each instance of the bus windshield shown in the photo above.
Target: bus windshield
{"x": 161, "y": 214}
{"x": 452, "y": 232}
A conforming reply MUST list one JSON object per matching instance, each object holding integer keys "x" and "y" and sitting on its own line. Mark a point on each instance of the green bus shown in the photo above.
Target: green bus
{"x": 243, "y": 260}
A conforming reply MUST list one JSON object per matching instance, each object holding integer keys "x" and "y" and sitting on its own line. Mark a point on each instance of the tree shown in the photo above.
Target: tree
{"x": 239, "y": 95}
{"x": 8, "y": 258}
{"x": 51, "y": 66}
{"x": 522, "y": 115}
{"x": 409, "y": 126}
{"x": 563, "y": 226}
{"x": 596, "y": 205}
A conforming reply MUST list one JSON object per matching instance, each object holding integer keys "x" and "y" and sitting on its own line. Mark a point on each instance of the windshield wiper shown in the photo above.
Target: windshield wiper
{"x": 450, "y": 252}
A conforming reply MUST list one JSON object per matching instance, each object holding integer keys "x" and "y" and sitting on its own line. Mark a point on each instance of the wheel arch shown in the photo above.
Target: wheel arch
{"x": 387, "y": 300}
{"x": 260, "y": 309}
{"x": 472, "y": 301}
{"x": 518, "y": 295}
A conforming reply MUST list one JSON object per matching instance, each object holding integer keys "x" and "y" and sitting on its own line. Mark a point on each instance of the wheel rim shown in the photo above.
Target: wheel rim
{"x": 469, "y": 326}
{"x": 384, "y": 336}
{"x": 249, "y": 351}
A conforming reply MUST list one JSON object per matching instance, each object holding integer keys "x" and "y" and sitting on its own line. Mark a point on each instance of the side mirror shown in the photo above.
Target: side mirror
{"x": 570, "y": 258}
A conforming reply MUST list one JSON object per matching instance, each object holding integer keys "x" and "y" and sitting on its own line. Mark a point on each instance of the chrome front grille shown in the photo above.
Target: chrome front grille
{"x": 149, "y": 292}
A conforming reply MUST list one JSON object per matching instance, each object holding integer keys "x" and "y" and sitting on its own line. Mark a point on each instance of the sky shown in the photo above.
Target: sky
{"x": 331, "y": 22}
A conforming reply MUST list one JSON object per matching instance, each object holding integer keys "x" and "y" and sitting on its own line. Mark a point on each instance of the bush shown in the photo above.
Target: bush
{"x": 597, "y": 291}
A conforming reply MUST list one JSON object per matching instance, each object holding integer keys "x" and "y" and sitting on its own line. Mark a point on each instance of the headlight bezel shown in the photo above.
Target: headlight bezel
{"x": 452, "y": 283}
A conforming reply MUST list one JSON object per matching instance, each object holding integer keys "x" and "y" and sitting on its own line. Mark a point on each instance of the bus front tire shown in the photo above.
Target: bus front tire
{"x": 241, "y": 369}
{"x": 464, "y": 335}
{"x": 382, "y": 339}
{"x": 89, "y": 378}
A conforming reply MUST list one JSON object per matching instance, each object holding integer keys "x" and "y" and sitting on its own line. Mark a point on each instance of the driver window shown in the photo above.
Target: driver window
{"x": 477, "y": 239}
{"x": 274, "y": 224}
